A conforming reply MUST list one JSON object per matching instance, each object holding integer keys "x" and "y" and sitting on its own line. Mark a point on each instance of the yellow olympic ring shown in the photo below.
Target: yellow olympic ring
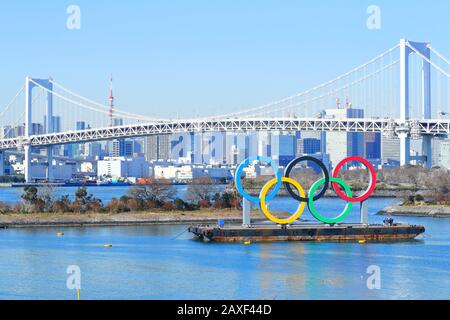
{"x": 266, "y": 211}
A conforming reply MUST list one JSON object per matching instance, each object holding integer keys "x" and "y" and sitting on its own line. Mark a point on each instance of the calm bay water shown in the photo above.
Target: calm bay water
{"x": 149, "y": 262}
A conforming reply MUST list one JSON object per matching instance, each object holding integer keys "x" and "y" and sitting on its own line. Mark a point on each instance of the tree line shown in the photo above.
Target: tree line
{"x": 158, "y": 195}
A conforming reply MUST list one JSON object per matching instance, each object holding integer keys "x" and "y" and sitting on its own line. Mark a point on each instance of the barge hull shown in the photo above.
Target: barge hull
{"x": 348, "y": 233}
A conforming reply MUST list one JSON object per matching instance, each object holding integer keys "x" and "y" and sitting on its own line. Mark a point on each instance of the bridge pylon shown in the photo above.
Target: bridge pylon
{"x": 406, "y": 49}
{"x": 30, "y": 84}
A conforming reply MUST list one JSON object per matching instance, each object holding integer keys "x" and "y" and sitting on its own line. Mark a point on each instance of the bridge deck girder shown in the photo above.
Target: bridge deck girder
{"x": 421, "y": 127}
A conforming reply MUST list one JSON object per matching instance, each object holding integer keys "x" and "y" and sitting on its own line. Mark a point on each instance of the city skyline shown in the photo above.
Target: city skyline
{"x": 169, "y": 70}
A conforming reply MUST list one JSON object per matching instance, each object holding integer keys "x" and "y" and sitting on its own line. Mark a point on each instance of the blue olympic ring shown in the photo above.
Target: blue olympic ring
{"x": 240, "y": 169}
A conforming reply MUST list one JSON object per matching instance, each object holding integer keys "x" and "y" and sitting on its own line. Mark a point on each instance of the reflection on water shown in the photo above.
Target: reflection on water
{"x": 146, "y": 262}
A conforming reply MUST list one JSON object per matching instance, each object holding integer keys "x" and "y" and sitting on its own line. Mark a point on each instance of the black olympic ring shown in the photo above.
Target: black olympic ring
{"x": 322, "y": 167}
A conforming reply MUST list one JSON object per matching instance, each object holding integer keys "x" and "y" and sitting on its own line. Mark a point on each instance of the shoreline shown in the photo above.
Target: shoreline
{"x": 46, "y": 220}
{"x": 201, "y": 217}
{"x": 417, "y": 211}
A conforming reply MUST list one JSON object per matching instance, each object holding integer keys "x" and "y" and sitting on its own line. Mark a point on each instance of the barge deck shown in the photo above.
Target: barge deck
{"x": 308, "y": 232}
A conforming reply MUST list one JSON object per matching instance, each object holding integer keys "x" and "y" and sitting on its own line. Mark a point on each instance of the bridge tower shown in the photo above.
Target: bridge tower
{"x": 2, "y": 164}
{"x": 406, "y": 49}
{"x": 30, "y": 84}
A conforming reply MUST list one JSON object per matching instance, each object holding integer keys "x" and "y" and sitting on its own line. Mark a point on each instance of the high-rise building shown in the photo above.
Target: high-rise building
{"x": 81, "y": 125}
{"x": 55, "y": 128}
{"x": 283, "y": 148}
{"x": 151, "y": 148}
{"x": 95, "y": 150}
{"x": 444, "y": 154}
{"x": 390, "y": 150}
{"x": 79, "y": 150}
{"x": 137, "y": 146}
{"x": 117, "y": 122}
{"x": 243, "y": 147}
{"x": 128, "y": 148}
{"x": 157, "y": 147}
{"x": 231, "y": 148}
{"x": 308, "y": 146}
{"x": 164, "y": 146}
{"x": 56, "y": 124}
{"x": 373, "y": 145}
{"x": 37, "y": 128}
{"x": 264, "y": 143}
{"x": 215, "y": 148}
{"x": 340, "y": 145}
{"x": 122, "y": 148}
{"x": 180, "y": 146}
{"x": 19, "y": 131}
{"x": 7, "y": 132}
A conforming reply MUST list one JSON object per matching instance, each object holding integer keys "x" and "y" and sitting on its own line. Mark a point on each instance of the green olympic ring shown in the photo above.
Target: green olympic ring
{"x": 316, "y": 214}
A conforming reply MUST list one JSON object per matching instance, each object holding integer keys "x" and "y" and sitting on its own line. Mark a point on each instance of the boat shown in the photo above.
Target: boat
{"x": 308, "y": 232}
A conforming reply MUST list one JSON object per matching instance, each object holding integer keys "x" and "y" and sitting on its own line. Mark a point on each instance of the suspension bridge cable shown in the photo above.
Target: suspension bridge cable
{"x": 12, "y": 101}
{"x": 334, "y": 91}
{"x": 440, "y": 55}
{"x": 116, "y": 111}
{"x": 139, "y": 118}
{"x": 382, "y": 55}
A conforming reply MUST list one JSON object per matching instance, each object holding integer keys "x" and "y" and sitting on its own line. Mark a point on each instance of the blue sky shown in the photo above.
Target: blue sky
{"x": 203, "y": 57}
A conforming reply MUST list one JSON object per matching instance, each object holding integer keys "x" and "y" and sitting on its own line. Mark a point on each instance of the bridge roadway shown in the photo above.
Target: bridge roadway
{"x": 415, "y": 128}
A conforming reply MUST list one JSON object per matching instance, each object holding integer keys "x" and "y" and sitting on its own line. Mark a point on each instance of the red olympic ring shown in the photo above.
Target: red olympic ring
{"x": 372, "y": 182}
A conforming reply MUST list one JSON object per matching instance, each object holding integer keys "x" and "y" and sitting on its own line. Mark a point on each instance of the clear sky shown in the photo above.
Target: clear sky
{"x": 203, "y": 57}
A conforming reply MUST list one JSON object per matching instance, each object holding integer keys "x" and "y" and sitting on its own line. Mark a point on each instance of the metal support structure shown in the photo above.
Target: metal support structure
{"x": 405, "y": 148}
{"x": 49, "y": 129}
{"x": 406, "y": 48}
{"x": 28, "y": 123}
{"x": 405, "y": 51}
{"x": 27, "y": 164}
{"x": 29, "y": 86}
{"x": 433, "y": 127}
{"x": 405, "y": 144}
{"x": 246, "y": 213}
{"x": 49, "y": 163}
{"x": 2, "y": 163}
{"x": 424, "y": 48}
{"x": 364, "y": 212}
{"x": 427, "y": 151}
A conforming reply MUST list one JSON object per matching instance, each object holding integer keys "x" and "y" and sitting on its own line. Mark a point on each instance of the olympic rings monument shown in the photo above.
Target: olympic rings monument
{"x": 291, "y": 228}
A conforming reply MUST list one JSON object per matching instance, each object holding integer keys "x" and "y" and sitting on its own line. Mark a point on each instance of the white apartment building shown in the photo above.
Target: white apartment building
{"x": 121, "y": 167}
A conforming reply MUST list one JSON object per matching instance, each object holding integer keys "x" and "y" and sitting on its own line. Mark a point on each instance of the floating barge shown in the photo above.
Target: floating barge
{"x": 308, "y": 233}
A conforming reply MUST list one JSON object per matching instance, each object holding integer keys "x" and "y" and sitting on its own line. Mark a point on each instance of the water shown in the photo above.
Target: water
{"x": 146, "y": 262}
{"x": 105, "y": 193}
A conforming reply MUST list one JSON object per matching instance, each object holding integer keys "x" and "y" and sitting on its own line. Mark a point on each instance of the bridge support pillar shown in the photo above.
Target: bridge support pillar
{"x": 50, "y": 164}
{"x": 405, "y": 148}
{"x": 364, "y": 213}
{"x": 426, "y": 150}
{"x": 27, "y": 164}
{"x": 246, "y": 211}
{"x": 2, "y": 164}
{"x": 426, "y": 103}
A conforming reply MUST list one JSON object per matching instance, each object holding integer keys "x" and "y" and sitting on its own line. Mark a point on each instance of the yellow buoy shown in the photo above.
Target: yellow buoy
{"x": 60, "y": 234}
{"x": 108, "y": 245}
{"x": 362, "y": 241}
{"x": 247, "y": 242}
